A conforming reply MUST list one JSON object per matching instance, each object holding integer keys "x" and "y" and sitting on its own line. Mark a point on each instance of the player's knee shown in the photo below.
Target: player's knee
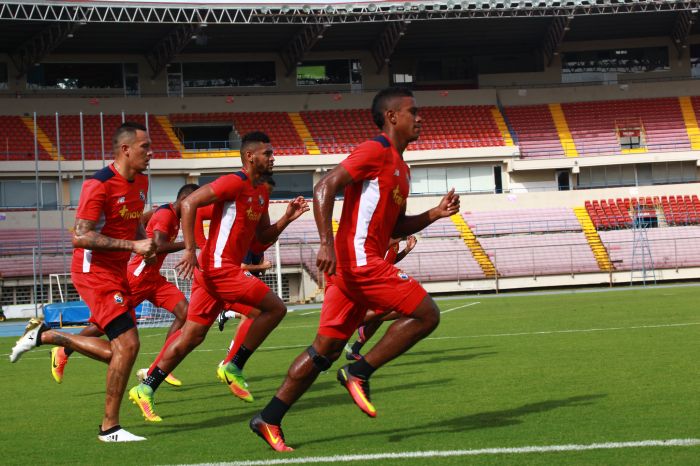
{"x": 320, "y": 361}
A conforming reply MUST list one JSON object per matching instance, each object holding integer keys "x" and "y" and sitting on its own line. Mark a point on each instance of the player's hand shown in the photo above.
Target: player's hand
{"x": 411, "y": 243}
{"x": 296, "y": 208}
{"x": 185, "y": 268}
{"x": 449, "y": 204}
{"x": 144, "y": 247}
{"x": 325, "y": 260}
{"x": 266, "y": 265}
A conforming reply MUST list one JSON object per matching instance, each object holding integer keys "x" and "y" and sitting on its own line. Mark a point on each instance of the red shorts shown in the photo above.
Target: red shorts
{"x": 215, "y": 288}
{"x": 156, "y": 289}
{"x": 106, "y": 294}
{"x": 379, "y": 286}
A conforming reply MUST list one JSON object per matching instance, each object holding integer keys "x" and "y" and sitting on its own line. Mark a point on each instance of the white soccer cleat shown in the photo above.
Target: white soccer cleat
{"x": 142, "y": 374}
{"x": 28, "y": 340}
{"x": 117, "y": 434}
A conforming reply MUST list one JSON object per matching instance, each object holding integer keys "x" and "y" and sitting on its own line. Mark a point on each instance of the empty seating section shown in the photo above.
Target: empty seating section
{"x": 669, "y": 248}
{"x": 22, "y": 241}
{"x": 446, "y": 259}
{"x": 338, "y": 131}
{"x": 666, "y": 210}
{"x": 301, "y": 231}
{"x": 522, "y": 221}
{"x": 594, "y": 125}
{"x": 17, "y": 141}
{"x": 277, "y": 125}
{"x": 545, "y": 254}
{"x": 456, "y": 127}
{"x": 442, "y": 228}
{"x": 535, "y": 131}
{"x": 69, "y": 127}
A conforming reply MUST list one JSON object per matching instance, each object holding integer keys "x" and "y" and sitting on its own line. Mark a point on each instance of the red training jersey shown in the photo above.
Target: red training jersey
{"x": 115, "y": 204}
{"x": 165, "y": 220}
{"x": 372, "y": 202}
{"x": 392, "y": 254}
{"x": 234, "y": 219}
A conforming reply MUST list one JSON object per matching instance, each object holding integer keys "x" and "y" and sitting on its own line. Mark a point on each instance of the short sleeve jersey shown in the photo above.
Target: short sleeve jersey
{"x": 165, "y": 220}
{"x": 372, "y": 203}
{"x": 203, "y": 214}
{"x": 392, "y": 254}
{"x": 235, "y": 217}
{"x": 115, "y": 204}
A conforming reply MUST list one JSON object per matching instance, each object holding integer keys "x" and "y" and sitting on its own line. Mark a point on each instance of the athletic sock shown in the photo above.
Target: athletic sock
{"x": 67, "y": 351}
{"x": 361, "y": 369}
{"x": 230, "y": 314}
{"x": 274, "y": 411}
{"x": 155, "y": 378}
{"x": 241, "y": 357}
{"x": 357, "y": 346}
{"x": 167, "y": 343}
{"x": 238, "y": 340}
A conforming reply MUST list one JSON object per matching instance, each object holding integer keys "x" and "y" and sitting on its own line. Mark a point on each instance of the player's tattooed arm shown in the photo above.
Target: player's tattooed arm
{"x": 85, "y": 236}
{"x": 410, "y": 224}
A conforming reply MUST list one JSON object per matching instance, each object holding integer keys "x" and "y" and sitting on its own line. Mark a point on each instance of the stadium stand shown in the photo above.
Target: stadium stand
{"x": 666, "y": 210}
{"x": 17, "y": 140}
{"x": 670, "y": 247}
{"x": 594, "y": 125}
{"x": 276, "y": 124}
{"x": 522, "y": 221}
{"x": 535, "y": 130}
{"x": 441, "y": 259}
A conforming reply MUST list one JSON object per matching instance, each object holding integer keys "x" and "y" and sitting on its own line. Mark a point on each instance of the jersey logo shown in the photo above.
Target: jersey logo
{"x": 121, "y": 200}
{"x": 127, "y": 214}
{"x": 247, "y": 274}
{"x": 142, "y": 196}
{"x": 261, "y": 201}
{"x": 396, "y": 194}
{"x": 396, "y": 172}
{"x": 403, "y": 275}
{"x": 252, "y": 215}
{"x": 250, "y": 200}
{"x": 118, "y": 298}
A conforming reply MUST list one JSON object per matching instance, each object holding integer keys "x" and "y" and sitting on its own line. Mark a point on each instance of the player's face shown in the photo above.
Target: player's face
{"x": 408, "y": 122}
{"x": 140, "y": 152}
{"x": 263, "y": 159}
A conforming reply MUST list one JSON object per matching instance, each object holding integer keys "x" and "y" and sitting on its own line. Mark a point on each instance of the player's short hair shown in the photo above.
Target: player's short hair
{"x": 186, "y": 190}
{"x": 254, "y": 137}
{"x": 380, "y": 103}
{"x": 128, "y": 128}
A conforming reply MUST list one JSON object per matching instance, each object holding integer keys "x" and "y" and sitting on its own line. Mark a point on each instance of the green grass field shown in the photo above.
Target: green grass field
{"x": 508, "y": 372}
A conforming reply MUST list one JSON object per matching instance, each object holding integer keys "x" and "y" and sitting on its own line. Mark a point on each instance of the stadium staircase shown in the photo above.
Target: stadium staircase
{"x": 41, "y": 138}
{"x": 336, "y": 225}
{"x": 304, "y": 133}
{"x": 567, "y": 141}
{"x": 164, "y": 123}
{"x": 599, "y": 251}
{"x": 474, "y": 246}
{"x": 691, "y": 122}
{"x": 502, "y": 126}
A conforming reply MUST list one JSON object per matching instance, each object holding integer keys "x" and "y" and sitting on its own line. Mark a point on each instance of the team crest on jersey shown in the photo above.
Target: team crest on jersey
{"x": 142, "y": 196}
{"x": 121, "y": 200}
{"x": 403, "y": 275}
{"x": 261, "y": 201}
{"x": 247, "y": 274}
{"x": 118, "y": 298}
{"x": 396, "y": 172}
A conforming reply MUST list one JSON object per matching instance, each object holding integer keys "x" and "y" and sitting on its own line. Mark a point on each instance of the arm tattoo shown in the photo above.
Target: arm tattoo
{"x": 86, "y": 237}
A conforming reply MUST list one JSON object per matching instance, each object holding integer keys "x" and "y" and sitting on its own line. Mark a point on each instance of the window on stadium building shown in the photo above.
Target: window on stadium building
{"x": 3, "y": 75}
{"x": 605, "y": 65}
{"x": 637, "y": 174}
{"x": 72, "y": 76}
{"x": 228, "y": 74}
{"x": 320, "y": 72}
{"x": 21, "y": 194}
{"x": 439, "y": 180}
{"x": 695, "y": 60}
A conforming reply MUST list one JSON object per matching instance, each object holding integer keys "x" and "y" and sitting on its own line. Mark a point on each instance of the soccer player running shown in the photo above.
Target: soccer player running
{"x": 107, "y": 221}
{"x": 374, "y": 319}
{"x": 375, "y": 180}
{"x": 240, "y": 213}
{"x": 145, "y": 280}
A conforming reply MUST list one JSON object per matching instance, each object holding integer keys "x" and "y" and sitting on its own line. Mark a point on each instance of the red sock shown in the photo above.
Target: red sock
{"x": 168, "y": 342}
{"x": 238, "y": 339}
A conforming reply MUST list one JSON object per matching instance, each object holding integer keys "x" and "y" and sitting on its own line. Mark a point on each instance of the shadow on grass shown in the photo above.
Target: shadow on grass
{"x": 485, "y": 420}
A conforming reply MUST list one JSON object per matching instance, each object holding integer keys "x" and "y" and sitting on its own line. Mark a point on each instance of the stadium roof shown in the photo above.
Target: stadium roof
{"x": 30, "y": 31}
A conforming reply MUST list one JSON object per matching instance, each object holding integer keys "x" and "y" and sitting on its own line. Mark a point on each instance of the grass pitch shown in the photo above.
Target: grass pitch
{"x": 508, "y": 372}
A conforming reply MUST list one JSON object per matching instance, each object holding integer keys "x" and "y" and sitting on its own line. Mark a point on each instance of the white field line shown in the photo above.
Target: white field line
{"x": 459, "y": 307}
{"x": 309, "y": 313}
{"x": 551, "y": 332}
{"x": 445, "y": 453}
{"x": 492, "y": 335}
